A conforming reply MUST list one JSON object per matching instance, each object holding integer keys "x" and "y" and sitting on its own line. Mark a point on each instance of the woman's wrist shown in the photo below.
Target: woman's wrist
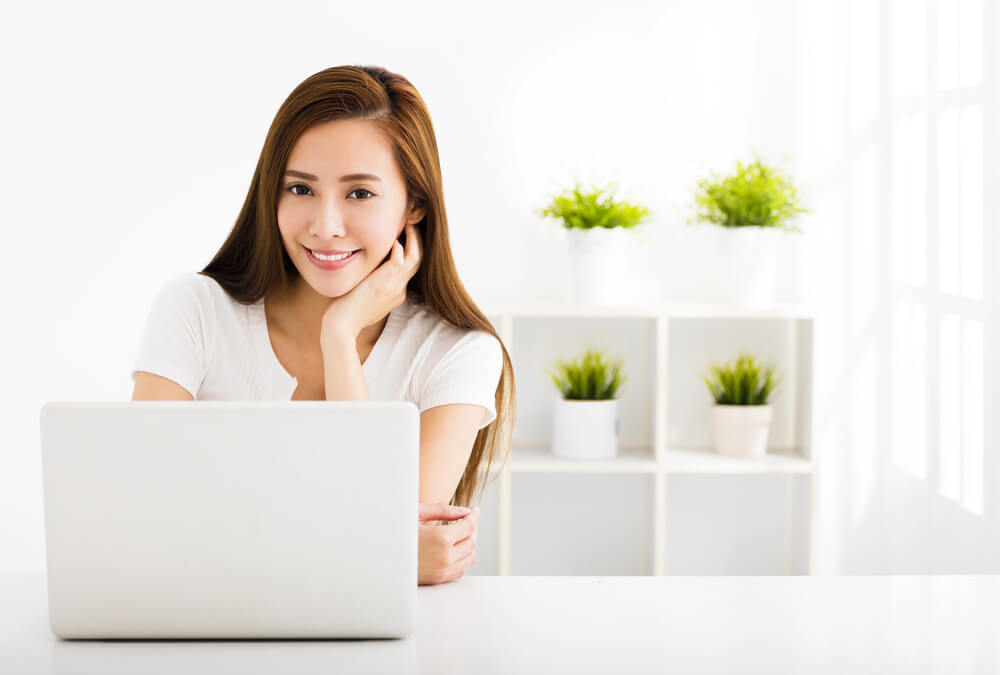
{"x": 343, "y": 378}
{"x": 336, "y": 337}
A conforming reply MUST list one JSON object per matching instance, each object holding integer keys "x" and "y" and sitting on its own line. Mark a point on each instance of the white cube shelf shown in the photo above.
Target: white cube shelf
{"x": 664, "y": 432}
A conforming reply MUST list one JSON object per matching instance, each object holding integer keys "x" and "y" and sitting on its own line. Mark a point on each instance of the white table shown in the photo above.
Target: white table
{"x": 934, "y": 624}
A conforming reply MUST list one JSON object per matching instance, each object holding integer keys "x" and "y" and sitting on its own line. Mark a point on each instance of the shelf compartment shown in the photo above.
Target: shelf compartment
{"x": 760, "y": 529}
{"x": 687, "y": 460}
{"x": 581, "y": 524}
{"x": 696, "y": 343}
{"x": 530, "y": 307}
{"x": 533, "y": 459}
{"x": 538, "y": 343}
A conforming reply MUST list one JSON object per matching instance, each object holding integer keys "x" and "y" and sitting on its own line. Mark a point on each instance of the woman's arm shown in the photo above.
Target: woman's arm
{"x": 342, "y": 375}
{"x": 152, "y": 387}
{"x": 447, "y": 433}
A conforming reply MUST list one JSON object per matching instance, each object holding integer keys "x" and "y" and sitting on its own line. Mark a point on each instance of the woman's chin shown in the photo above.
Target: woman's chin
{"x": 327, "y": 287}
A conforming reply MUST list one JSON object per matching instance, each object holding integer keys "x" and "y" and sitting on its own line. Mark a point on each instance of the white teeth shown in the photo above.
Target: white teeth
{"x": 330, "y": 257}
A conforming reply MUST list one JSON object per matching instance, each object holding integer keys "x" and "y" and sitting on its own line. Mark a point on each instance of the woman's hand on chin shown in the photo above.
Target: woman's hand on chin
{"x": 379, "y": 293}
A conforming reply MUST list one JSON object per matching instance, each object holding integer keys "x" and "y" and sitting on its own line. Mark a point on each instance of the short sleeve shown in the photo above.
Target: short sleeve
{"x": 173, "y": 339}
{"x": 469, "y": 372}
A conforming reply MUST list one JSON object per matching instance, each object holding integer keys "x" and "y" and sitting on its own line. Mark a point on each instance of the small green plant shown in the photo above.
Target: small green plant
{"x": 586, "y": 209}
{"x": 589, "y": 378}
{"x": 754, "y": 195}
{"x": 742, "y": 381}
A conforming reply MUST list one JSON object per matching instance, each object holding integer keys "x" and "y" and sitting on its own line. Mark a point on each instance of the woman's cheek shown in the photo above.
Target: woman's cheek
{"x": 375, "y": 237}
{"x": 290, "y": 212}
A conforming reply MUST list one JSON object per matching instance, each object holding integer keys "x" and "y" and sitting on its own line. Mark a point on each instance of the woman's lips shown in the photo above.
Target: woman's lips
{"x": 330, "y": 264}
{"x": 332, "y": 251}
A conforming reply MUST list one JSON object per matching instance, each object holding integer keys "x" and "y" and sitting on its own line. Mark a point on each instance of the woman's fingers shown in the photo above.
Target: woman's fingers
{"x": 466, "y": 561}
{"x": 460, "y": 529}
{"x": 463, "y": 554}
{"x": 413, "y": 250}
{"x": 440, "y": 512}
{"x": 397, "y": 255}
{"x": 458, "y": 569}
{"x": 445, "y": 552}
{"x": 463, "y": 548}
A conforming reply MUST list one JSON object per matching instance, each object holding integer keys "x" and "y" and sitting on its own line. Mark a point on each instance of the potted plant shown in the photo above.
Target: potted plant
{"x": 753, "y": 204}
{"x": 597, "y": 226}
{"x": 585, "y": 416}
{"x": 741, "y": 416}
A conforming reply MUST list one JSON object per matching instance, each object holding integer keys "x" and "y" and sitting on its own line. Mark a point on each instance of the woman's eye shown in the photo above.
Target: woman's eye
{"x": 367, "y": 194}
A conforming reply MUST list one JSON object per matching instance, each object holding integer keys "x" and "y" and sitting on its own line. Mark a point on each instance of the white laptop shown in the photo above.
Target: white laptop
{"x": 212, "y": 519}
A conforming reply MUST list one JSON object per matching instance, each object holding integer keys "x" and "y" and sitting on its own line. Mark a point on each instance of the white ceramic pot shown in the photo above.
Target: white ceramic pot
{"x": 598, "y": 267}
{"x": 741, "y": 430}
{"x": 585, "y": 429}
{"x": 746, "y": 266}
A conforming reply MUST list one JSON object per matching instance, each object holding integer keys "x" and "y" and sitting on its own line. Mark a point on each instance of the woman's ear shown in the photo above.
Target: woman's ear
{"x": 415, "y": 215}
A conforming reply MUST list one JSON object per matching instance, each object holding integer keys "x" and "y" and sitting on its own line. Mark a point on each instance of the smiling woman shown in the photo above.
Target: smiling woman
{"x": 337, "y": 282}
{"x": 349, "y": 219}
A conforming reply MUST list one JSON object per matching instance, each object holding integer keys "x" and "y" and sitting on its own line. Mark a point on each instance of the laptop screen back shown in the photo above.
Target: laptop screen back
{"x": 211, "y": 519}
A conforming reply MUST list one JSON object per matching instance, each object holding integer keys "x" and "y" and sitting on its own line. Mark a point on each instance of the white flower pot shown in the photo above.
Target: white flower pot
{"x": 585, "y": 429}
{"x": 741, "y": 430}
{"x": 746, "y": 267}
{"x": 599, "y": 272}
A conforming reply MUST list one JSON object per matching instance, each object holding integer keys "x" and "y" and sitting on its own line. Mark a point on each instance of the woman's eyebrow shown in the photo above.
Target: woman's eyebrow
{"x": 343, "y": 179}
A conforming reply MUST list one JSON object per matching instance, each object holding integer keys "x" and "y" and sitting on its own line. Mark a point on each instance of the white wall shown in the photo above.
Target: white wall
{"x": 897, "y": 127}
{"x": 134, "y": 131}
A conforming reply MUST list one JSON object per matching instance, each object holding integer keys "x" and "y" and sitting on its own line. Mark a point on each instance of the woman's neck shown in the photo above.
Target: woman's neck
{"x": 299, "y": 314}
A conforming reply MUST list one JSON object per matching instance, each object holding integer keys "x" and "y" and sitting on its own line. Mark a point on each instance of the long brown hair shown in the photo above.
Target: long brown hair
{"x": 253, "y": 262}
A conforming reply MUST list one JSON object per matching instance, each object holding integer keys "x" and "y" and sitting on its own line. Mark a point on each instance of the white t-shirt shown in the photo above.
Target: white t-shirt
{"x": 218, "y": 349}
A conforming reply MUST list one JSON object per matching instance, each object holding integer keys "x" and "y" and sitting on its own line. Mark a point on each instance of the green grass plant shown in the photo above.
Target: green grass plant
{"x": 587, "y": 208}
{"x": 754, "y": 195}
{"x": 588, "y": 378}
{"x": 742, "y": 381}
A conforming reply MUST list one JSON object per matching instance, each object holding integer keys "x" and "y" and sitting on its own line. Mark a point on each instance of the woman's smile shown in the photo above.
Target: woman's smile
{"x": 332, "y": 262}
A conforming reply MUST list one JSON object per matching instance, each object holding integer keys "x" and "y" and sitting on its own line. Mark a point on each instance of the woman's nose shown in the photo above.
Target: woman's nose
{"x": 327, "y": 223}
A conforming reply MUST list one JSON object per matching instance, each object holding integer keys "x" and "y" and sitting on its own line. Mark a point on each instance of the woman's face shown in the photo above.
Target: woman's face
{"x": 342, "y": 192}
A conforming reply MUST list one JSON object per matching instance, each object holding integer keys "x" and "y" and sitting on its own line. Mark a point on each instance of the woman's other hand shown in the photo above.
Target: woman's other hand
{"x": 445, "y": 551}
{"x": 377, "y": 294}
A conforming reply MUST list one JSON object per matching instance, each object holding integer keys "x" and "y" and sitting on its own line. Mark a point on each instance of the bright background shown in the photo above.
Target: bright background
{"x": 131, "y": 133}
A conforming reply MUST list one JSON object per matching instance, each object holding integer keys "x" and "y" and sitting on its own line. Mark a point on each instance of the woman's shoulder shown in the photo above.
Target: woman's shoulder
{"x": 201, "y": 297}
{"x": 198, "y": 287}
{"x": 450, "y": 363}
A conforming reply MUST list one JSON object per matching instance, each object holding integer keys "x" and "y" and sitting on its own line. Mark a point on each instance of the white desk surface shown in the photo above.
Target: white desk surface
{"x": 882, "y": 624}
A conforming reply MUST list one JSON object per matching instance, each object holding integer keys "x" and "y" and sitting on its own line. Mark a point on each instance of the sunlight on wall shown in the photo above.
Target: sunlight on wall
{"x": 960, "y": 252}
{"x": 972, "y": 416}
{"x": 960, "y": 201}
{"x": 893, "y": 123}
{"x": 970, "y": 52}
{"x": 947, "y": 46}
{"x": 908, "y": 55}
{"x": 932, "y": 287}
{"x": 950, "y": 465}
{"x": 863, "y": 433}
{"x": 949, "y": 203}
{"x": 908, "y": 391}
{"x": 908, "y": 199}
{"x": 864, "y": 237}
{"x": 971, "y": 170}
{"x": 864, "y": 71}
{"x": 864, "y": 266}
